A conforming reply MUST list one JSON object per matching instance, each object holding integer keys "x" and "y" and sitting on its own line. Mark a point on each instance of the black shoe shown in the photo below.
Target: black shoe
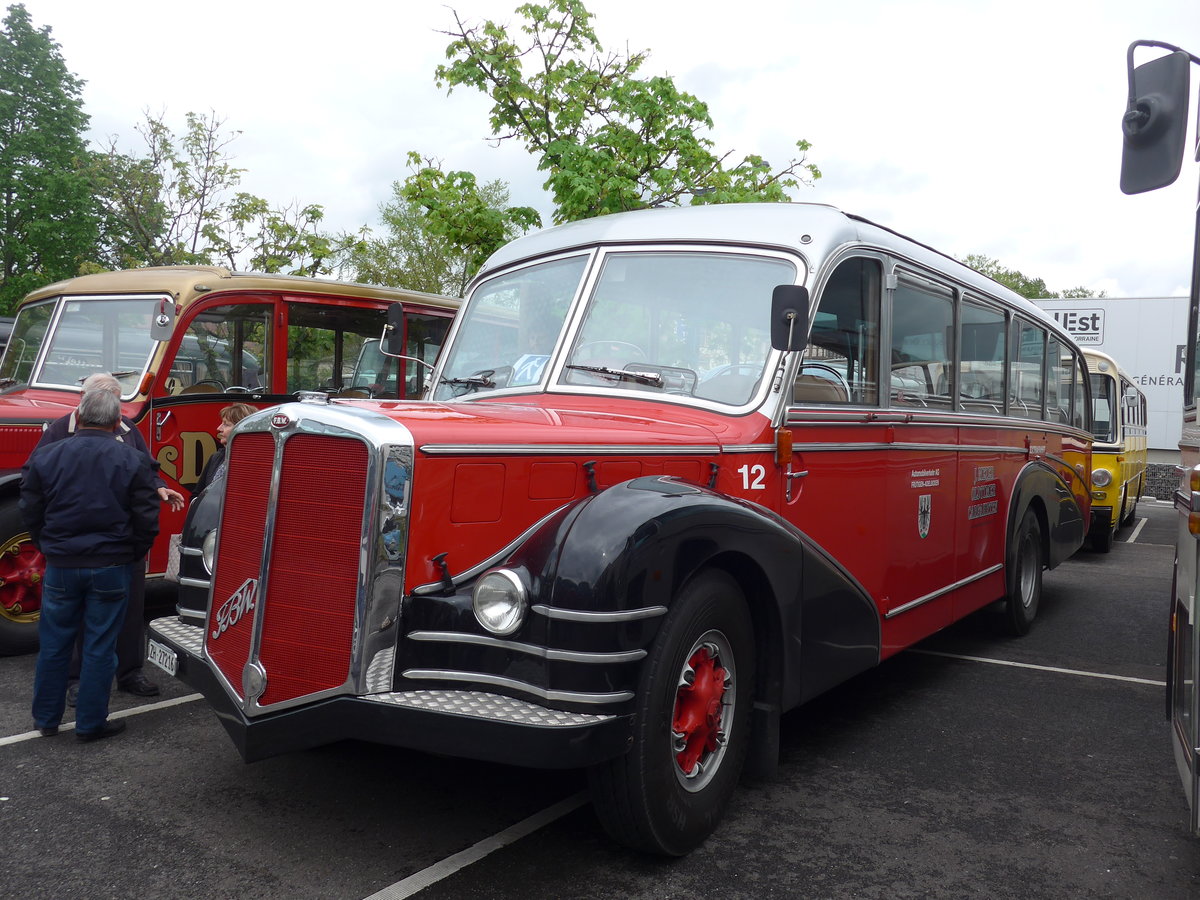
{"x": 50, "y": 731}
{"x": 138, "y": 685}
{"x": 72, "y": 693}
{"x": 107, "y": 730}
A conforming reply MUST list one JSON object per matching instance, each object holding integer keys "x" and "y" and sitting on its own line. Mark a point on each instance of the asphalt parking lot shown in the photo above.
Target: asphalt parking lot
{"x": 975, "y": 765}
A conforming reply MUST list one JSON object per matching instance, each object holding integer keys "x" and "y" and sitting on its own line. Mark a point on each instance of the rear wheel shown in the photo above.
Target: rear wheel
{"x": 691, "y": 726}
{"x": 22, "y": 567}
{"x": 1024, "y": 574}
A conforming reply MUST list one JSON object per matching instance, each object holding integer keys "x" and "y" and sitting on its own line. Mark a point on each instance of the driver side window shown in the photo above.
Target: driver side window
{"x": 224, "y": 347}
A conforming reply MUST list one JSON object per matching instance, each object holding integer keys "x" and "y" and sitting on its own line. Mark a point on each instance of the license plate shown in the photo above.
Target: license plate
{"x": 162, "y": 656}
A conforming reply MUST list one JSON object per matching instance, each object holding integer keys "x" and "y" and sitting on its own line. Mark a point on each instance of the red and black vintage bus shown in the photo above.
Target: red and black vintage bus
{"x": 680, "y": 471}
{"x": 184, "y": 342}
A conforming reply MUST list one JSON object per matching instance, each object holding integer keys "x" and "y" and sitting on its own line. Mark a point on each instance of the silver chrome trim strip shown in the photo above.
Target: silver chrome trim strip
{"x": 513, "y": 684}
{"x": 824, "y": 447}
{"x": 580, "y": 656}
{"x": 195, "y": 582}
{"x": 570, "y": 449}
{"x": 584, "y": 615}
{"x": 912, "y": 604}
{"x": 190, "y": 551}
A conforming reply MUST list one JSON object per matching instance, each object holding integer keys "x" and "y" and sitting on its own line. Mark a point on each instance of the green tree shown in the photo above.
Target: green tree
{"x": 465, "y": 221}
{"x": 1032, "y": 288}
{"x": 48, "y": 222}
{"x": 608, "y": 140}
{"x": 179, "y": 204}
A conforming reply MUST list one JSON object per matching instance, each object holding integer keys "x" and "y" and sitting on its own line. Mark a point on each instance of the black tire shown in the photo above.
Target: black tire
{"x": 645, "y": 799}
{"x": 1025, "y": 561}
{"x": 21, "y": 570}
{"x": 1102, "y": 539}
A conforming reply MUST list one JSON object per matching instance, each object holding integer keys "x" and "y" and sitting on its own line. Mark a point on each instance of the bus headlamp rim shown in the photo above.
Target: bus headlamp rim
{"x": 500, "y": 601}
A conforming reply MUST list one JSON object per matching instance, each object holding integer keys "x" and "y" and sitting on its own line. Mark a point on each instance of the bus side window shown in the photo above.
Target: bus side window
{"x": 922, "y": 352}
{"x": 841, "y": 361}
{"x": 1027, "y": 372}
{"x": 981, "y": 368}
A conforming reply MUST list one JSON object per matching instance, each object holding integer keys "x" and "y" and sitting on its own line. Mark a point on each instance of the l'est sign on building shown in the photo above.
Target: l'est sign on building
{"x": 1147, "y": 336}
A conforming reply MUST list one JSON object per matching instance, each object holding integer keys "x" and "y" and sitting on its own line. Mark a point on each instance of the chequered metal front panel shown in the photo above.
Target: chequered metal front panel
{"x": 482, "y": 705}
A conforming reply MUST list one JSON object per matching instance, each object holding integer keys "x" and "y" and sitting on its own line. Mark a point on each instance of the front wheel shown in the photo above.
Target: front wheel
{"x": 691, "y": 725}
{"x": 22, "y": 567}
{"x": 1024, "y": 574}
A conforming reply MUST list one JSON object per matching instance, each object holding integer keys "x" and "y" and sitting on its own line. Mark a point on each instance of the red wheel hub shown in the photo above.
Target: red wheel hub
{"x": 22, "y": 568}
{"x": 698, "y": 706}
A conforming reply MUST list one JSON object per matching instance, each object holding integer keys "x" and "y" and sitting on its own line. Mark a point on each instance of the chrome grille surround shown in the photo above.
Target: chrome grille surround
{"x": 382, "y": 547}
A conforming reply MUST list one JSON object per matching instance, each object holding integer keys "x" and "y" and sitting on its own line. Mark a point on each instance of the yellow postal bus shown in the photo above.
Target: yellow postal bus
{"x": 1119, "y": 452}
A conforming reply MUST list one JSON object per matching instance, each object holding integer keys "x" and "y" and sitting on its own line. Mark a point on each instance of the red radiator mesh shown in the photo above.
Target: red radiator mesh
{"x": 242, "y": 523}
{"x": 308, "y": 624}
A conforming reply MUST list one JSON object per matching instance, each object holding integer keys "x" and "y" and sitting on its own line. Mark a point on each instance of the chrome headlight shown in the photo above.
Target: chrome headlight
{"x": 1101, "y": 478}
{"x": 500, "y": 601}
{"x": 208, "y": 550}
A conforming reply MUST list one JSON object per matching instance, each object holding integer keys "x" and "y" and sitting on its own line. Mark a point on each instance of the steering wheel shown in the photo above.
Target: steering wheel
{"x": 610, "y": 346}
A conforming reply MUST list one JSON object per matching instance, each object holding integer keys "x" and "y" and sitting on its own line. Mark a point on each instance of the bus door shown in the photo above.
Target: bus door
{"x": 1183, "y": 700}
{"x": 923, "y": 462}
{"x": 982, "y": 504}
{"x": 218, "y": 356}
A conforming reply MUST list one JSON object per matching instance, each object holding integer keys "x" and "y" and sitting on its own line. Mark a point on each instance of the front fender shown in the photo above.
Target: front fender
{"x": 632, "y": 547}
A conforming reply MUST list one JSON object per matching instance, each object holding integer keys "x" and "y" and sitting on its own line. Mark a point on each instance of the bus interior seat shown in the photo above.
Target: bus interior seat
{"x": 814, "y": 389}
{"x": 202, "y": 388}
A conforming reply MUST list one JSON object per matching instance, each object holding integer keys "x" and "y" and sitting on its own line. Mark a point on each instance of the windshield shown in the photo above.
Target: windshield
{"x": 685, "y": 323}
{"x": 91, "y": 334}
{"x": 1104, "y": 407}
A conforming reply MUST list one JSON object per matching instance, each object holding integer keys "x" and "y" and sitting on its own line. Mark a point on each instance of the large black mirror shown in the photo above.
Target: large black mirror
{"x": 789, "y": 316}
{"x": 1155, "y": 122}
{"x": 393, "y": 334}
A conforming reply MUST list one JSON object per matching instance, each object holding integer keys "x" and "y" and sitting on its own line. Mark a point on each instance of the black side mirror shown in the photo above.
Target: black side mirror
{"x": 789, "y": 316}
{"x": 393, "y": 334}
{"x": 1155, "y": 123}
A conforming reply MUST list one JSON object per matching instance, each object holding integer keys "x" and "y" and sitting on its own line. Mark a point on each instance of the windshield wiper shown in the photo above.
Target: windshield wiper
{"x": 476, "y": 380}
{"x": 650, "y": 378}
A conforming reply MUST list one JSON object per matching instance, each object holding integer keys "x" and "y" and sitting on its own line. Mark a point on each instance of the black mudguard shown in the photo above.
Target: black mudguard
{"x": 634, "y": 545}
{"x": 1039, "y": 485}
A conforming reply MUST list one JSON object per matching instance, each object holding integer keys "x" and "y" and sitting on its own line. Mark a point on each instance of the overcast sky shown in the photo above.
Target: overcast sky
{"x": 971, "y": 125}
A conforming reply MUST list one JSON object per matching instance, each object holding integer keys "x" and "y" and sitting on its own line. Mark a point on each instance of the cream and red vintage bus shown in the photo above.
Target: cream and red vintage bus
{"x": 1119, "y": 452}
{"x": 184, "y": 342}
{"x": 681, "y": 471}
{"x": 1154, "y": 130}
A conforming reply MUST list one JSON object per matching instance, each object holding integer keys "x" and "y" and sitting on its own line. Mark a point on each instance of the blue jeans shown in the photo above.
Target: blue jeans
{"x": 94, "y": 600}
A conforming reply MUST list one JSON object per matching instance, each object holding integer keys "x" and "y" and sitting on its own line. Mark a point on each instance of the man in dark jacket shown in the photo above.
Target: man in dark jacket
{"x": 91, "y": 507}
{"x": 131, "y": 640}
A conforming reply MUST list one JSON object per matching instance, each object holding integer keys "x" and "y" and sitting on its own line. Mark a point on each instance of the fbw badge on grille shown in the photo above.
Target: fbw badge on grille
{"x": 231, "y": 611}
{"x": 924, "y": 513}
{"x": 281, "y": 420}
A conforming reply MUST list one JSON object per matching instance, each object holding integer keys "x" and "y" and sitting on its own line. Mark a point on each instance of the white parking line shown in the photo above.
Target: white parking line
{"x": 1020, "y": 665}
{"x": 418, "y": 881}
{"x": 1136, "y": 531}
{"x": 122, "y": 714}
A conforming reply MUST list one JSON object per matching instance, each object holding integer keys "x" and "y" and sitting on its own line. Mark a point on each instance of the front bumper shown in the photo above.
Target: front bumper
{"x": 464, "y": 723}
